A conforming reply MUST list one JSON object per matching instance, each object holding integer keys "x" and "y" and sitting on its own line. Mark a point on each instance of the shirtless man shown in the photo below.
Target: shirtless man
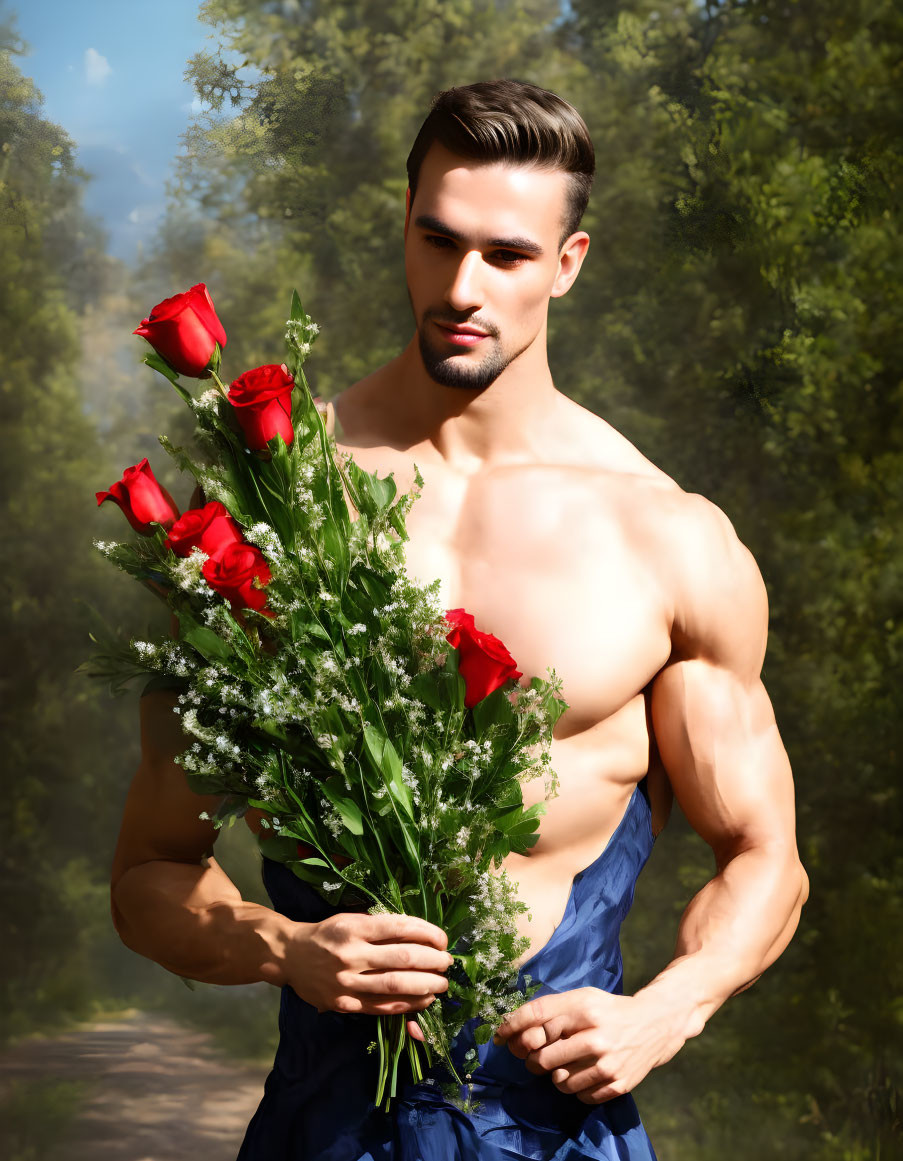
{"x": 569, "y": 545}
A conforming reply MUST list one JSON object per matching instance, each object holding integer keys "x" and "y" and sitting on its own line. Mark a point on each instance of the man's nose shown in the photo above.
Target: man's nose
{"x": 464, "y": 292}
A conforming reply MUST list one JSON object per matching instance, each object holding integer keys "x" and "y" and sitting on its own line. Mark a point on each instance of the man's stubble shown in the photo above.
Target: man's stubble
{"x": 453, "y": 370}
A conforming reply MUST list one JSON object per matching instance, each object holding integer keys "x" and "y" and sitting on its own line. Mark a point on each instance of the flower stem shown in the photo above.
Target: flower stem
{"x": 383, "y": 1069}
{"x": 223, "y": 390}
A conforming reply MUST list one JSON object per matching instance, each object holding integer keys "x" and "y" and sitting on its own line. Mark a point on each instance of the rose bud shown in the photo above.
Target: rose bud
{"x": 185, "y": 331}
{"x": 262, "y": 399}
{"x": 211, "y": 529}
{"x": 143, "y": 501}
{"x": 232, "y": 574}
{"x": 483, "y": 660}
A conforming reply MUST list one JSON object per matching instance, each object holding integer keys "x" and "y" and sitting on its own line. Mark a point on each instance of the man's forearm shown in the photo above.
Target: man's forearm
{"x": 736, "y": 926}
{"x": 192, "y": 920}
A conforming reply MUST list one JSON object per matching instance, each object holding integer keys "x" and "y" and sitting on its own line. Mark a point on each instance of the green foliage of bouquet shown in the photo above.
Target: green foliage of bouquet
{"x": 386, "y": 741}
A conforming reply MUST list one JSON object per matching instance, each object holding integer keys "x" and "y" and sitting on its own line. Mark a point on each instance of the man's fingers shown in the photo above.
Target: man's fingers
{"x": 392, "y": 984}
{"x": 397, "y": 1006}
{"x": 598, "y": 1096}
{"x": 533, "y": 1014}
{"x": 582, "y": 1075}
{"x": 401, "y": 929}
{"x": 382, "y": 1005}
{"x": 564, "y": 1052}
{"x": 535, "y": 1037}
{"x": 404, "y": 957}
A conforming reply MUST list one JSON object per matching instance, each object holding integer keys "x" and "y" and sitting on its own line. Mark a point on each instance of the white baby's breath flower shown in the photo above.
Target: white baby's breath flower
{"x": 188, "y": 573}
{"x": 266, "y": 539}
{"x": 208, "y": 401}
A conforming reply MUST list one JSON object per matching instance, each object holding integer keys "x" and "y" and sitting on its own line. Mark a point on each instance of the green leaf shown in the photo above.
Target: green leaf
{"x": 348, "y": 809}
{"x": 382, "y": 491}
{"x": 495, "y": 709}
{"x": 384, "y": 756}
{"x": 373, "y": 584}
{"x": 430, "y": 687}
{"x": 468, "y": 962}
{"x": 483, "y": 1034}
{"x": 272, "y": 727}
{"x": 158, "y": 363}
{"x": 297, "y": 310}
{"x": 209, "y": 644}
{"x": 518, "y": 821}
{"x": 451, "y": 667}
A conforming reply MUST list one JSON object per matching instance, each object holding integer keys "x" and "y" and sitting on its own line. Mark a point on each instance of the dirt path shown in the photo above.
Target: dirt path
{"x": 154, "y": 1091}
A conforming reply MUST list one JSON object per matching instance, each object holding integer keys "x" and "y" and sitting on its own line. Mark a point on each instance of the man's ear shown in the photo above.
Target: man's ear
{"x": 569, "y": 262}
{"x": 407, "y": 212}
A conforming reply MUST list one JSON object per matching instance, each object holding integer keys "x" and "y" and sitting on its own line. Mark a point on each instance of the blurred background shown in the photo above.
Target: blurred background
{"x": 738, "y": 318}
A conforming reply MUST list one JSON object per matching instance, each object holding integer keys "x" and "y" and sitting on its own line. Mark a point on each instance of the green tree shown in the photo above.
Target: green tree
{"x": 65, "y": 749}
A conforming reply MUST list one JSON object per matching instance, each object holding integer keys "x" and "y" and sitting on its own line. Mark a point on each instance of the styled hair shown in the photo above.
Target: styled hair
{"x": 515, "y": 122}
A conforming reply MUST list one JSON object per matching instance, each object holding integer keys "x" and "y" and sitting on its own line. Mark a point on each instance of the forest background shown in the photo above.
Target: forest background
{"x": 738, "y": 318}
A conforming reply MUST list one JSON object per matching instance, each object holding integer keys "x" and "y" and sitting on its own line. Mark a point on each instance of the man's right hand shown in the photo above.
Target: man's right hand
{"x": 379, "y": 964}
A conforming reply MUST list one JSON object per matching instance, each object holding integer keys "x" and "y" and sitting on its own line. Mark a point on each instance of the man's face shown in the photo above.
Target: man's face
{"x": 482, "y": 260}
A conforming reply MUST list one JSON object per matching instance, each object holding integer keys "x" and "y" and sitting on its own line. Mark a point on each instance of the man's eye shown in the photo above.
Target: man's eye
{"x": 439, "y": 241}
{"x": 508, "y": 257}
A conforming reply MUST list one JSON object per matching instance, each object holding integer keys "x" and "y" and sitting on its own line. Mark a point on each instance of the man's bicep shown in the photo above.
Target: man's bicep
{"x": 161, "y": 816}
{"x": 720, "y": 746}
{"x": 714, "y": 723}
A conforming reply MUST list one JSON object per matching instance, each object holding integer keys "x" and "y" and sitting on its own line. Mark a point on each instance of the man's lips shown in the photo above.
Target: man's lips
{"x": 461, "y": 336}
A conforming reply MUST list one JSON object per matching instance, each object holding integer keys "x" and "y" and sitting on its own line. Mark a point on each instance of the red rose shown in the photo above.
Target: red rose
{"x": 142, "y": 499}
{"x": 232, "y": 574}
{"x": 211, "y": 529}
{"x": 184, "y": 329}
{"x": 483, "y": 660}
{"x": 262, "y": 399}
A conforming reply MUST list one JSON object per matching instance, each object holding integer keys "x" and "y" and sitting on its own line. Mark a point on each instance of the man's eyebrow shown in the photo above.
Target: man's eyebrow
{"x": 527, "y": 245}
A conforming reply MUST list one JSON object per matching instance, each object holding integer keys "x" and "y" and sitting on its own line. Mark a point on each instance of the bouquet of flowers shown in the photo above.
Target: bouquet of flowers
{"x": 386, "y": 740}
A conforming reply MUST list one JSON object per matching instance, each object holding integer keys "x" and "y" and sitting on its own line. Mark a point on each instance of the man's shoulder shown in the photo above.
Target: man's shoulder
{"x": 662, "y": 505}
{"x": 364, "y": 412}
{"x": 718, "y": 596}
{"x": 591, "y": 444}
{"x": 710, "y": 581}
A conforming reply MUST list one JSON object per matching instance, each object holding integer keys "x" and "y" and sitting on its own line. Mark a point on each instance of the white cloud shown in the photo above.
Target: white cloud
{"x": 97, "y": 67}
{"x": 196, "y": 106}
{"x": 147, "y": 214}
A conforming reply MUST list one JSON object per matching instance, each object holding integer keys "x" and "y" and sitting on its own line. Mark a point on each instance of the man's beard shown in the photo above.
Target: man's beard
{"x": 450, "y": 370}
{"x": 453, "y": 371}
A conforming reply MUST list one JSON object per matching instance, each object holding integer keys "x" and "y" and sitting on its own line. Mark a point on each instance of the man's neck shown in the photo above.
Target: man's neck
{"x": 507, "y": 422}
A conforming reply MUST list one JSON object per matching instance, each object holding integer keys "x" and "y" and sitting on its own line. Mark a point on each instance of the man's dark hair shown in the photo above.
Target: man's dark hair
{"x": 515, "y": 122}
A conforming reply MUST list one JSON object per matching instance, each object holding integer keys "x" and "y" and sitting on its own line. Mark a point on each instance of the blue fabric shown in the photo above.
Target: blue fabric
{"x": 318, "y": 1099}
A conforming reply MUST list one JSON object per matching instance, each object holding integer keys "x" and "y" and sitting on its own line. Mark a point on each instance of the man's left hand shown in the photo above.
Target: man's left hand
{"x": 594, "y": 1045}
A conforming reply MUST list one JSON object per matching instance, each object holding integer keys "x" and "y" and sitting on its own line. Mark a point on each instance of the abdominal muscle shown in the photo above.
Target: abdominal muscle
{"x": 597, "y": 773}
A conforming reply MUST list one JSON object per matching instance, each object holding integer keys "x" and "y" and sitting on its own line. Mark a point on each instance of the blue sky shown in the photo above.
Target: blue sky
{"x": 111, "y": 75}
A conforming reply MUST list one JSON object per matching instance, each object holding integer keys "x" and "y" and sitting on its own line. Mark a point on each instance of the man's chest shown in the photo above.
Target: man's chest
{"x": 549, "y": 561}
